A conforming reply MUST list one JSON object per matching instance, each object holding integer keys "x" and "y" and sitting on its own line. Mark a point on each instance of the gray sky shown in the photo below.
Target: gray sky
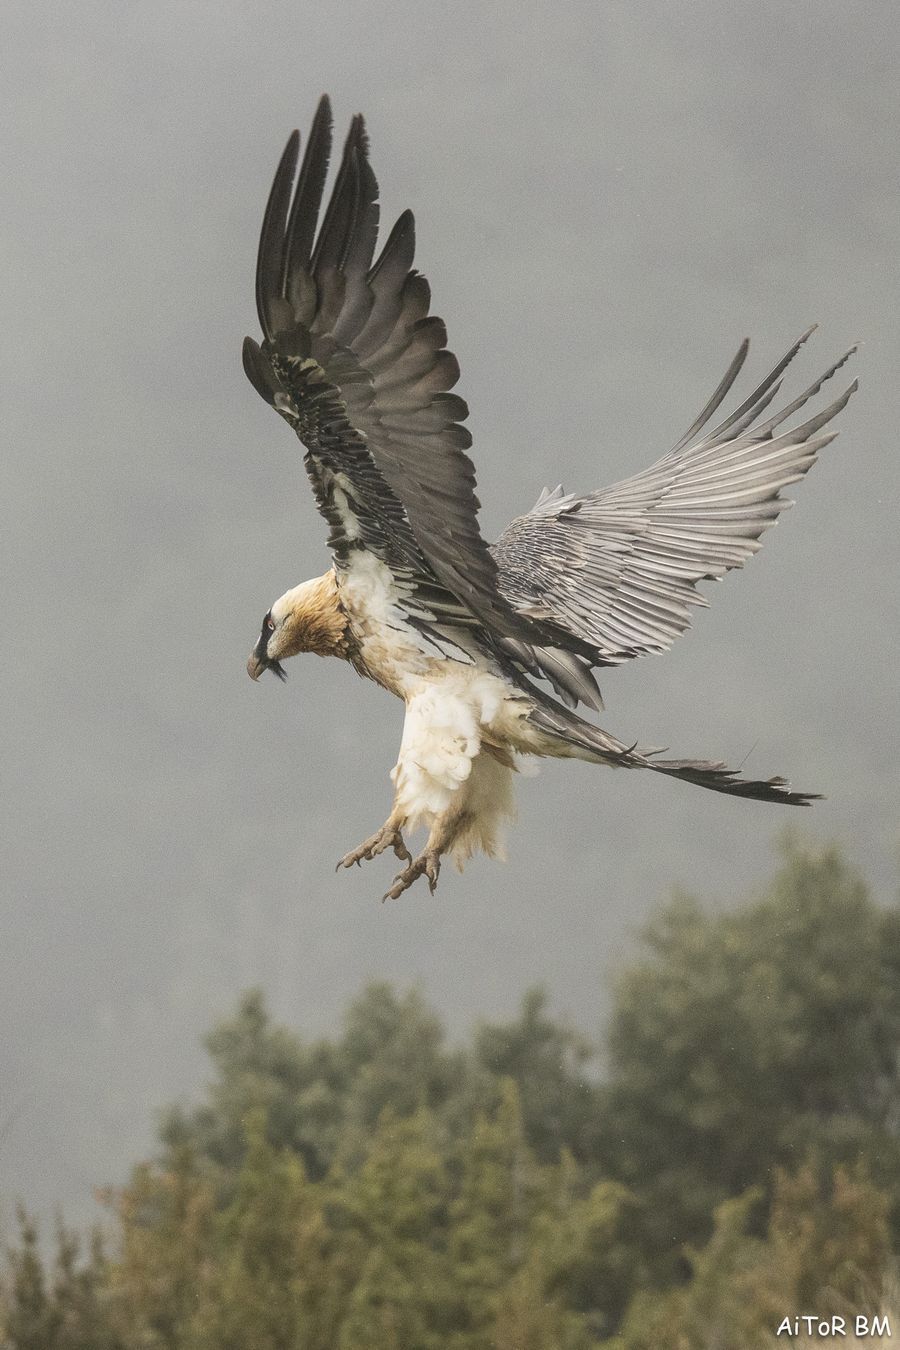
{"x": 608, "y": 196}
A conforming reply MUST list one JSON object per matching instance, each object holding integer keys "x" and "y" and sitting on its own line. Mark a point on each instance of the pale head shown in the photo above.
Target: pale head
{"x": 307, "y": 618}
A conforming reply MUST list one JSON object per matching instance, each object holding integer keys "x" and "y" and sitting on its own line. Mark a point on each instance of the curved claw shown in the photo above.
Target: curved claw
{"x": 386, "y": 837}
{"x": 427, "y": 864}
{"x": 400, "y": 848}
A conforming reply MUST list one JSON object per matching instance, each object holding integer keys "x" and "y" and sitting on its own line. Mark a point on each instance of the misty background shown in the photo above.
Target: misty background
{"x": 608, "y": 198}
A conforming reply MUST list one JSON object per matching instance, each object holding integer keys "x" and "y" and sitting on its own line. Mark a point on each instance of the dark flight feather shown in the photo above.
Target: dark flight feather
{"x": 355, "y": 362}
{"x": 374, "y": 407}
{"x": 707, "y": 773}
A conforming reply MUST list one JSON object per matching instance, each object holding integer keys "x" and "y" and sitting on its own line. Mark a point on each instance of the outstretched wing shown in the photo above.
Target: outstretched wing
{"x": 354, "y": 362}
{"x": 619, "y": 567}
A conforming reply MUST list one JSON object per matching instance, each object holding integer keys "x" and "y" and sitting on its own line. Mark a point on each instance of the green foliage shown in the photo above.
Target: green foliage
{"x": 527, "y": 1319}
{"x": 261, "y": 1066}
{"x": 32, "y": 1318}
{"x": 319, "y": 1097}
{"x": 391, "y": 1215}
{"x": 743, "y": 1040}
{"x": 393, "y": 1055}
{"x": 493, "y": 1210}
{"x": 593, "y": 1242}
{"x": 323, "y": 1098}
{"x": 165, "y": 1220}
{"x": 266, "y": 1282}
{"x": 70, "y": 1309}
{"x": 738, "y": 1162}
{"x": 548, "y": 1063}
{"x": 826, "y": 1250}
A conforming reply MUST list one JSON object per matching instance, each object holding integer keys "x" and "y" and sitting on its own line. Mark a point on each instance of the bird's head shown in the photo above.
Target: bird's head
{"x": 307, "y": 618}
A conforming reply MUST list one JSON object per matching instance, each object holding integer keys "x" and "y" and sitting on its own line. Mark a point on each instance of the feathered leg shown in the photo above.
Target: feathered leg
{"x": 471, "y": 823}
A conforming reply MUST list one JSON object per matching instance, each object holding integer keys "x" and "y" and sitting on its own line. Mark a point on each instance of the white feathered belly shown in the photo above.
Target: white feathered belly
{"x": 455, "y": 767}
{"x": 463, "y": 721}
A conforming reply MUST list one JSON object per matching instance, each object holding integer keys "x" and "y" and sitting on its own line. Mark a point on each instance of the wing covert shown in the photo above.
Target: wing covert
{"x": 619, "y": 567}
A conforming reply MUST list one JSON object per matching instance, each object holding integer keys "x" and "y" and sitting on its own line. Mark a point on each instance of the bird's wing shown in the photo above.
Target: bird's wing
{"x": 353, "y": 361}
{"x": 619, "y": 568}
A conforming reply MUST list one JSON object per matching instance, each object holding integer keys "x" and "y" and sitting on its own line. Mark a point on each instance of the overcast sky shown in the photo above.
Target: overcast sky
{"x": 609, "y": 196}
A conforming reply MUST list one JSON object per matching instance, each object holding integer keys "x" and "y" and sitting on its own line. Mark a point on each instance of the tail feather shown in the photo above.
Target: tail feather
{"x": 595, "y": 744}
{"x": 719, "y": 778}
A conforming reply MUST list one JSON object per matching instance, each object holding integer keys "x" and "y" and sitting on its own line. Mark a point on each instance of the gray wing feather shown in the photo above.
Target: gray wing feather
{"x": 619, "y": 567}
{"x": 717, "y": 397}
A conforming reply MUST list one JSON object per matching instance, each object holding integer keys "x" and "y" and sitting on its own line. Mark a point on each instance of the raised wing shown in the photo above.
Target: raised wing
{"x": 619, "y": 567}
{"x": 353, "y": 360}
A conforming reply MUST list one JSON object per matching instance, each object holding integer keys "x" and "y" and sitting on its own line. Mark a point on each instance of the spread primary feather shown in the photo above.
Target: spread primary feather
{"x": 469, "y": 635}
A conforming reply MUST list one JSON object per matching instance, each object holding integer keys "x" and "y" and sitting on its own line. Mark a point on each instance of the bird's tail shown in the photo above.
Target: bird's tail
{"x": 585, "y": 741}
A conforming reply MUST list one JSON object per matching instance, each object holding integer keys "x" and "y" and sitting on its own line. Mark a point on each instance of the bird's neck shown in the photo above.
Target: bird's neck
{"x": 317, "y": 623}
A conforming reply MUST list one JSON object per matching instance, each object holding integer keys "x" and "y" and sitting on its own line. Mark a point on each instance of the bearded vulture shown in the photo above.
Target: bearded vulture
{"x": 469, "y": 634}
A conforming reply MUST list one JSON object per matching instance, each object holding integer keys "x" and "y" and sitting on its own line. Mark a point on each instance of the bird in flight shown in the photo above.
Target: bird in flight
{"x": 491, "y": 647}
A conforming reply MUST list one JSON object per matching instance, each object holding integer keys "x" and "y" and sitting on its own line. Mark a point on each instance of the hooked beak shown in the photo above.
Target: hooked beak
{"x": 259, "y": 662}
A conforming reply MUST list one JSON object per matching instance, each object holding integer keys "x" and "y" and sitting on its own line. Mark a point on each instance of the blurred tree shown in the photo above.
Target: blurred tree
{"x": 828, "y": 1244}
{"x": 314, "y": 1095}
{"x": 593, "y": 1247}
{"x": 743, "y": 1039}
{"x": 492, "y": 1212}
{"x": 268, "y": 1286}
{"x": 547, "y": 1060}
{"x": 393, "y": 1054}
{"x": 72, "y": 1311}
{"x": 165, "y": 1219}
{"x": 381, "y": 1190}
{"x": 708, "y": 1311}
{"x": 826, "y": 1252}
{"x": 528, "y": 1319}
{"x": 84, "y": 1300}
{"x": 32, "y": 1318}
{"x": 260, "y": 1065}
{"x": 392, "y": 1216}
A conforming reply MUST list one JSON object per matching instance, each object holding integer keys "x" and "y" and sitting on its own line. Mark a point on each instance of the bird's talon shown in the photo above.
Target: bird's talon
{"x": 427, "y": 865}
{"x": 375, "y": 844}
